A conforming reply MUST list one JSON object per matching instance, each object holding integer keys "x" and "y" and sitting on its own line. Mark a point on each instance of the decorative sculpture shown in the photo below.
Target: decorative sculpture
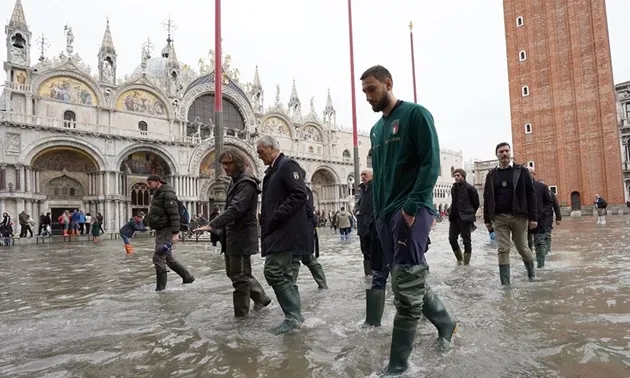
{"x": 69, "y": 39}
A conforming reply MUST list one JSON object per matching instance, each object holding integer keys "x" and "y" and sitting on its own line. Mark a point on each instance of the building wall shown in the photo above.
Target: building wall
{"x": 574, "y": 139}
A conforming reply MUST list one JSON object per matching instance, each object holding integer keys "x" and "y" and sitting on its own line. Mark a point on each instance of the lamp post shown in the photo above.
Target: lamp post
{"x": 355, "y": 134}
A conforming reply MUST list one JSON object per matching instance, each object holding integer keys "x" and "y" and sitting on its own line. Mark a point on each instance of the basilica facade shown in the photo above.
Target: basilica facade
{"x": 73, "y": 138}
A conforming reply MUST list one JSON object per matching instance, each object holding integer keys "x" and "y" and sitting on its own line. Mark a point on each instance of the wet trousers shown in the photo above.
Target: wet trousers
{"x": 164, "y": 259}
{"x": 310, "y": 261}
{"x": 459, "y": 227}
{"x": 279, "y": 275}
{"x": 506, "y": 225}
{"x": 246, "y": 287}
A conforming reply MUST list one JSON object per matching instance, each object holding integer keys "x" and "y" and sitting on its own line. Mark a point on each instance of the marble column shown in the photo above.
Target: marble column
{"x": 2, "y": 207}
{"x": 101, "y": 183}
{"x": 109, "y": 216}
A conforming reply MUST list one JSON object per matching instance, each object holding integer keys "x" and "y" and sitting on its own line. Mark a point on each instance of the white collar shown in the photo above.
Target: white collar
{"x": 511, "y": 165}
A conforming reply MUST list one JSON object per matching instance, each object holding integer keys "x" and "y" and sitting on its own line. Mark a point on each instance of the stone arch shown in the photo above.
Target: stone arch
{"x": 146, "y": 88}
{"x": 328, "y": 173}
{"x": 75, "y": 74}
{"x": 64, "y": 187}
{"x": 164, "y": 155}
{"x": 282, "y": 117}
{"x": 230, "y": 93}
{"x": 322, "y": 134}
{"x": 576, "y": 201}
{"x": 35, "y": 150}
{"x": 207, "y": 147}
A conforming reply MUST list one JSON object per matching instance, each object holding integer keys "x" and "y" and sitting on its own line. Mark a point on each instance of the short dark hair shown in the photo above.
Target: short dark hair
{"x": 496, "y": 149}
{"x": 380, "y": 73}
{"x": 460, "y": 171}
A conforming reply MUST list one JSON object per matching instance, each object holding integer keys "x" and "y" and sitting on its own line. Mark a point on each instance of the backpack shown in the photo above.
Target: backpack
{"x": 184, "y": 217}
{"x": 603, "y": 204}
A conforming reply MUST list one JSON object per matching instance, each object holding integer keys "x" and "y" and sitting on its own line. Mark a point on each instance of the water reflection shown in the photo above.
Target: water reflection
{"x": 80, "y": 310}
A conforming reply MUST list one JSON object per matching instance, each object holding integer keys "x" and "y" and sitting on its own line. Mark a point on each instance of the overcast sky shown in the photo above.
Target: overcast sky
{"x": 459, "y": 45}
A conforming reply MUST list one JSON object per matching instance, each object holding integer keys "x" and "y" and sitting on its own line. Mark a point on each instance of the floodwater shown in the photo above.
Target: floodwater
{"x": 76, "y": 310}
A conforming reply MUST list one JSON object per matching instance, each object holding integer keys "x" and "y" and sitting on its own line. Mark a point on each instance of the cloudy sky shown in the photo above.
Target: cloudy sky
{"x": 459, "y": 44}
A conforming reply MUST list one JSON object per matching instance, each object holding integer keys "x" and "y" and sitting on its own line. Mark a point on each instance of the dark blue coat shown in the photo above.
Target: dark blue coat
{"x": 310, "y": 220}
{"x": 130, "y": 227}
{"x": 283, "y": 224}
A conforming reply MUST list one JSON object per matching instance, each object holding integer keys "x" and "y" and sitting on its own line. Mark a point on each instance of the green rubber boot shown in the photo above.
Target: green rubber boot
{"x": 374, "y": 306}
{"x": 289, "y": 301}
{"x": 402, "y": 344}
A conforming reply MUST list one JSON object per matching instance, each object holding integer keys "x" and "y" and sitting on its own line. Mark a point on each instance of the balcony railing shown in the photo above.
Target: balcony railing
{"x": 69, "y": 125}
{"x": 17, "y": 86}
{"x": 322, "y": 157}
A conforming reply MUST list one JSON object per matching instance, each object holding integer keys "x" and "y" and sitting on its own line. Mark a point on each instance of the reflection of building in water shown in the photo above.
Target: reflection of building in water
{"x": 77, "y": 139}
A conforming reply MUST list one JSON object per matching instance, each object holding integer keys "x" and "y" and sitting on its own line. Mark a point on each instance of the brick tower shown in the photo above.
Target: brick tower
{"x": 562, "y": 97}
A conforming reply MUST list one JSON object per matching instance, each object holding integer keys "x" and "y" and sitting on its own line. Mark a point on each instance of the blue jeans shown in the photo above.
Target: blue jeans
{"x": 379, "y": 278}
{"x": 125, "y": 239}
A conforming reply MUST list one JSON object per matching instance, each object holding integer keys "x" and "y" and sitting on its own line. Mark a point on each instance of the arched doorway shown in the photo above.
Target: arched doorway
{"x": 576, "y": 201}
{"x": 328, "y": 191}
{"x": 201, "y": 117}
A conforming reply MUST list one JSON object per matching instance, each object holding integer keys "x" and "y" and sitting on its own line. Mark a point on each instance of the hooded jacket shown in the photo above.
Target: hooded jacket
{"x": 343, "y": 219}
{"x": 164, "y": 211}
{"x": 238, "y": 220}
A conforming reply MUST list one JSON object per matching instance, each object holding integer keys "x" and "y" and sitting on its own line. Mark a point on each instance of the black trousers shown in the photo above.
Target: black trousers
{"x": 365, "y": 246}
{"x": 459, "y": 227}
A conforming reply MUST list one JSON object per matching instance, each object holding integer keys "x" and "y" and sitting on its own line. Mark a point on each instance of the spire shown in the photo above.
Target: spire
{"x": 256, "y": 84}
{"x": 329, "y": 104}
{"x": 294, "y": 96}
{"x": 330, "y": 115}
{"x": 18, "y": 20}
{"x": 295, "y": 106}
{"x": 108, "y": 44}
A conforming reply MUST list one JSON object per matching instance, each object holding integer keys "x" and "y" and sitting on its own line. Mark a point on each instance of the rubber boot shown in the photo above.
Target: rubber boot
{"x": 65, "y": 232}
{"x": 161, "y": 278}
{"x": 240, "y": 300}
{"x": 318, "y": 275}
{"x": 403, "y": 335}
{"x": 504, "y": 274}
{"x": 458, "y": 256}
{"x": 531, "y": 273}
{"x": 182, "y": 272}
{"x": 258, "y": 295}
{"x": 467, "y": 256}
{"x": 374, "y": 307}
{"x": 434, "y": 310}
{"x": 289, "y": 301}
{"x": 367, "y": 269}
{"x": 129, "y": 249}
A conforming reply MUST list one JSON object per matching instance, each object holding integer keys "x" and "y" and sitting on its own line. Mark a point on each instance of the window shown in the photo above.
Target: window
{"x": 142, "y": 126}
{"x": 554, "y": 189}
{"x": 201, "y": 116}
{"x": 528, "y": 128}
{"x": 346, "y": 154}
{"x": 140, "y": 195}
{"x": 525, "y": 91}
{"x": 69, "y": 119}
{"x": 530, "y": 164}
{"x": 522, "y": 55}
{"x": 627, "y": 106}
{"x": 519, "y": 21}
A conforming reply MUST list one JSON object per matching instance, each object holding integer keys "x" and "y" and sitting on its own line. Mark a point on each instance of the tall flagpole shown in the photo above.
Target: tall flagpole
{"x": 218, "y": 91}
{"x": 413, "y": 63}
{"x": 355, "y": 133}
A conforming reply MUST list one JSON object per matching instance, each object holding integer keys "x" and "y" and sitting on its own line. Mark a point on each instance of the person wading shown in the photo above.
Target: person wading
{"x": 310, "y": 260}
{"x": 284, "y": 228}
{"x": 164, "y": 218}
{"x": 365, "y": 218}
{"x": 462, "y": 215}
{"x": 240, "y": 232}
{"x": 509, "y": 207}
{"x": 406, "y": 164}
{"x": 544, "y": 210}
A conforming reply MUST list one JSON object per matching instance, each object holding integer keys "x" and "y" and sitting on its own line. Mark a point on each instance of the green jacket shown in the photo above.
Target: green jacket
{"x": 405, "y": 161}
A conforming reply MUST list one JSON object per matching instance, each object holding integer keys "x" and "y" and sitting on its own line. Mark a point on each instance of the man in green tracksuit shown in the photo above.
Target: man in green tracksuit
{"x": 406, "y": 165}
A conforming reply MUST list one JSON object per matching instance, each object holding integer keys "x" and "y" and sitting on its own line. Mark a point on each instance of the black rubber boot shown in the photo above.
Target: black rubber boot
{"x": 374, "y": 307}
{"x": 161, "y": 278}
{"x": 241, "y": 299}
{"x": 258, "y": 295}
{"x": 289, "y": 301}
{"x": 458, "y": 256}
{"x": 504, "y": 274}
{"x": 531, "y": 272}
{"x": 367, "y": 270}
{"x": 182, "y": 272}
{"x": 434, "y": 310}
{"x": 318, "y": 275}
{"x": 467, "y": 256}
{"x": 402, "y": 344}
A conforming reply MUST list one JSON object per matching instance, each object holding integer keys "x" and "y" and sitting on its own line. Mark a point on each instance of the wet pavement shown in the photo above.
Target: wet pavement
{"x": 79, "y": 310}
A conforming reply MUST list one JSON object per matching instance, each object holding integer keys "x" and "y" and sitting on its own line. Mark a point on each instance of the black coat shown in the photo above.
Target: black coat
{"x": 310, "y": 220}
{"x": 238, "y": 220}
{"x": 556, "y": 206}
{"x": 164, "y": 211}
{"x": 524, "y": 196}
{"x": 283, "y": 224}
{"x": 365, "y": 215}
{"x": 544, "y": 207}
{"x": 465, "y": 200}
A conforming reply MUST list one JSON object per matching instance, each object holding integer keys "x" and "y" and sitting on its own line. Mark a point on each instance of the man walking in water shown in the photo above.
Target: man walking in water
{"x": 462, "y": 216}
{"x": 164, "y": 218}
{"x": 406, "y": 165}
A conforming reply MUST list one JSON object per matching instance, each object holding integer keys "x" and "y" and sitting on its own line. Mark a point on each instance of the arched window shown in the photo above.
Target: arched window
{"x": 140, "y": 195}
{"x": 531, "y": 164}
{"x": 69, "y": 119}
{"x": 346, "y": 154}
{"x": 142, "y": 126}
{"x": 201, "y": 116}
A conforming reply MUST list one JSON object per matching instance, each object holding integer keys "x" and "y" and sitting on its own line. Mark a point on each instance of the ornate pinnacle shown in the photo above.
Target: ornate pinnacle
{"x": 170, "y": 27}
{"x": 410, "y": 25}
{"x": 44, "y": 44}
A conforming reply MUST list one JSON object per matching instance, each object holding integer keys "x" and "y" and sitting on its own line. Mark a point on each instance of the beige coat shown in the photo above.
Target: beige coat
{"x": 343, "y": 219}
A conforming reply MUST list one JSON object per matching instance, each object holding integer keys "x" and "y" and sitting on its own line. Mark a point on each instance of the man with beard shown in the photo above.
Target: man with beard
{"x": 310, "y": 260}
{"x": 365, "y": 218}
{"x": 406, "y": 164}
{"x": 164, "y": 217}
{"x": 509, "y": 207}
{"x": 462, "y": 215}
{"x": 284, "y": 228}
{"x": 240, "y": 232}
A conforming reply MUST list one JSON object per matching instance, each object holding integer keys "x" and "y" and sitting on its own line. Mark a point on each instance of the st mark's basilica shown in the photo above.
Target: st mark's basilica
{"x": 72, "y": 138}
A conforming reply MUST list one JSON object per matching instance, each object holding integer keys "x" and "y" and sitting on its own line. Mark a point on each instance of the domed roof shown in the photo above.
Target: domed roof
{"x": 156, "y": 68}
